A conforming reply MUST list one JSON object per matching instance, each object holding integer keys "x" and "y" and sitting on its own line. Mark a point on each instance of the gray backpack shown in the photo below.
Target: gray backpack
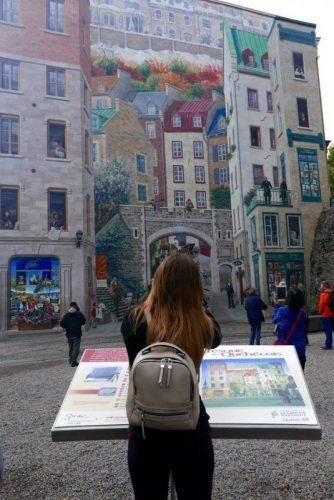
{"x": 163, "y": 389}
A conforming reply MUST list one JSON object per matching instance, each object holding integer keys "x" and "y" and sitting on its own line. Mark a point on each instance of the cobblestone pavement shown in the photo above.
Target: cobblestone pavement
{"x": 34, "y": 376}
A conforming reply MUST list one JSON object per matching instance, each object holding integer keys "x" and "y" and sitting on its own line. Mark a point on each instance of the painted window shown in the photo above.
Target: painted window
{"x": 56, "y": 139}
{"x": 302, "y": 112}
{"x": 9, "y": 74}
{"x": 219, "y": 152}
{"x": 156, "y": 186}
{"x": 158, "y": 31}
{"x": 198, "y": 149}
{"x": 55, "y": 82}
{"x": 141, "y": 163}
{"x": 158, "y": 14}
{"x": 265, "y": 62}
{"x": 9, "y": 197}
{"x": 186, "y": 20}
{"x": 150, "y": 130}
{"x": 171, "y": 34}
{"x": 197, "y": 121}
{"x": 257, "y": 175}
{"x": 109, "y": 20}
{"x": 142, "y": 192}
{"x": 224, "y": 175}
{"x": 270, "y": 227}
{"x": 179, "y": 198}
{"x": 88, "y": 214}
{"x": 298, "y": 65}
{"x": 253, "y": 100}
{"x": 177, "y": 151}
{"x": 275, "y": 71}
{"x": 199, "y": 175}
{"x": 201, "y": 199}
{"x": 279, "y": 120}
{"x": 187, "y": 37}
{"x": 309, "y": 174}
{"x": 269, "y": 102}
{"x": 9, "y": 11}
{"x": 248, "y": 58}
{"x": 151, "y": 109}
{"x": 56, "y": 15}
{"x": 134, "y": 24}
{"x": 154, "y": 158}
{"x": 57, "y": 209}
{"x": 255, "y": 136}
{"x": 171, "y": 17}
{"x": 99, "y": 103}
{"x": 87, "y": 153}
{"x": 178, "y": 173}
{"x": 9, "y": 134}
{"x": 221, "y": 123}
{"x": 275, "y": 177}
{"x": 206, "y": 23}
{"x": 294, "y": 231}
{"x": 253, "y": 233}
{"x": 176, "y": 121}
{"x": 272, "y": 138}
{"x": 95, "y": 152}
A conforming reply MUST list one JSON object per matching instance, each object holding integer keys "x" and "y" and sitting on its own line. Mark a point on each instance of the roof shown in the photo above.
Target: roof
{"x": 187, "y": 110}
{"x": 107, "y": 81}
{"x": 213, "y": 128}
{"x": 145, "y": 99}
{"x": 201, "y": 106}
{"x": 100, "y": 117}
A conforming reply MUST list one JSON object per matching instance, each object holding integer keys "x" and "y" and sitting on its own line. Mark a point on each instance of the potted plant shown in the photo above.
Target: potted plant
{"x": 249, "y": 196}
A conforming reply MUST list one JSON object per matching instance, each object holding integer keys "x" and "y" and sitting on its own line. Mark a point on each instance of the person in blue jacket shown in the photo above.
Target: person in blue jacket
{"x": 285, "y": 316}
{"x": 254, "y": 306}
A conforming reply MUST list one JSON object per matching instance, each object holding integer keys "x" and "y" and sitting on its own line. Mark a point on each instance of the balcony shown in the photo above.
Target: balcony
{"x": 275, "y": 201}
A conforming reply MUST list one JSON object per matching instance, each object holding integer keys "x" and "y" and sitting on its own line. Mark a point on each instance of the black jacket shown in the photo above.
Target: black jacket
{"x": 72, "y": 322}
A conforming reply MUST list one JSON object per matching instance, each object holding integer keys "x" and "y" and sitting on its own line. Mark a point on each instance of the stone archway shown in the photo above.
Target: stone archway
{"x": 225, "y": 275}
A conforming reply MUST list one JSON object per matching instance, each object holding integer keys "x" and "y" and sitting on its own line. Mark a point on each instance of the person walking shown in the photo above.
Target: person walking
{"x": 267, "y": 187}
{"x": 72, "y": 321}
{"x": 327, "y": 313}
{"x": 176, "y": 315}
{"x": 230, "y": 293}
{"x": 291, "y": 321}
{"x": 254, "y": 306}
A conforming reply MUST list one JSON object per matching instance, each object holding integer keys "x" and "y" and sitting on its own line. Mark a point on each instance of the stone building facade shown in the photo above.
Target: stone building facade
{"x": 46, "y": 184}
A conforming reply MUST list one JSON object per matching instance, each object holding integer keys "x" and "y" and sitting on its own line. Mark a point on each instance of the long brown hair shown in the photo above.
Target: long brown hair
{"x": 175, "y": 304}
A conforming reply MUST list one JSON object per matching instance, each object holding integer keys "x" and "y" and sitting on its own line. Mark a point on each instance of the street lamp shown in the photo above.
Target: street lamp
{"x": 78, "y": 235}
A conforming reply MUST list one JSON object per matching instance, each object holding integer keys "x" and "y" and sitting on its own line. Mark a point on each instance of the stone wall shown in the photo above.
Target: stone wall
{"x": 322, "y": 257}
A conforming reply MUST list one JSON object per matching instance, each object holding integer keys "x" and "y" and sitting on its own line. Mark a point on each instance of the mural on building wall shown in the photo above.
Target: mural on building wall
{"x": 34, "y": 292}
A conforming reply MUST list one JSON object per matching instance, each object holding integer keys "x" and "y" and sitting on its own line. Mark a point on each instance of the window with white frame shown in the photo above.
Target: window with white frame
{"x": 179, "y": 198}
{"x": 177, "y": 151}
{"x": 199, "y": 175}
{"x": 9, "y": 134}
{"x": 178, "y": 173}
{"x": 176, "y": 121}
{"x": 224, "y": 175}
{"x": 201, "y": 199}
{"x": 150, "y": 130}
{"x": 257, "y": 175}
{"x": 141, "y": 163}
{"x": 206, "y": 23}
{"x": 156, "y": 186}
{"x": 158, "y": 31}
{"x": 109, "y": 20}
{"x": 154, "y": 158}
{"x": 142, "y": 192}
{"x": 272, "y": 138}
{"x": 186, "y": 20}
{"x": 171, "y": 17}
{"x": 187, "y": 37}
{"x": 294, "y": 230}
{"x": 151, "y": 109}
{"x": 158, "y": 14}
{"x": 270, "y": 227}
{"x": 198, "y": 149}
{"x": 9, "y": 11}
{"x": 253, "y": 99}
{"x": 95, "y": 152}
{"x": 9, "y": 74}
{"x": 197, "y": 121}
{"x": 55, "y": 81}
{"x": 171, "y": 34}
{"x": 9, "y": 205}
{"x": 55, "y": 15}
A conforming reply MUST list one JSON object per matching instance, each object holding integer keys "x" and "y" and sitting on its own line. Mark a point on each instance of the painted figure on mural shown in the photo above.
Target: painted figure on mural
{"x": 8, "y": 221}
{"x": 230, "y": 293}
{"x": 283, "y": 191}
{"x": 57, "y": 150}
{"x": 267, "y": 187}
{"x": 57, "y": 221}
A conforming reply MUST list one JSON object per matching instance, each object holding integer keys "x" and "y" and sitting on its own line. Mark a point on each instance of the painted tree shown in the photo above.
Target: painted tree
{"x": 220, "y": 197}
{"x": 330, "y": 161}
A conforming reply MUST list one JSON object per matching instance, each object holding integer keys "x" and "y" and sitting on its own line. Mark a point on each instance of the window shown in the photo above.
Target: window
{"x": 269, "y": 102}
{"x": 201, "y": 199}
{"x": 56, "y": 15}
{"x": 238, "y": 219}
{"x": 270, "y": 226}
{"x": 198, "y": 149}
{"x": 265, "y": 62}
{"x": 219, "y": 152}
{"x": 298, "y": 65}
{"x": 187, "y": 37}
{"x": 179, "y": 198}
{"x": 87, "y": 156}
{"x": 56, "y": 139}
{"x": 99, "y": 103}
{"x": 275, "y": 177}
{"x": 309, "y": 174}
{"x": 150, "y": 130}
{"x": 257, "y": 175}
{"x": 186, "y": 20}
{"x": 255, "y": 137}
{"x": 9, "y": 74}
{"x": 253, "y": 101}
{"x": 57, "y": 210}
{"x": 154, "y": 158}
{"x": 275, "y": 70}
{"x": 108, "y": 20}
{"x": 87, "y": 100}
{"x": 88, "y": 214}
{"x": 205, "y": 39}
{"x": 253, "y": 233}
{"x": 171, "y": 34}
{"x": 9, "y": 207}
{"x": 95, "y": 152}
{"x": 55, "y": 82}
{"x": 176, "y": 121}
{"x": 272, "y": 138}
{"x": 134, "y": 24}
{"x": 156, "y": 186}
{"x": 171, "y": 17}
{"x": 224, "y": 175}
{"x": 199, "y": 175}
{"x": 9, "y": 11}
{"x": 248, "y": 58}
{"x": 158, "y": 14}
{"x": 178, "y": 173}
{"x": 141, "y": 163}
{"x": 206, "y": 23}
{"x": 9, "y": 135}
{"x": 177, "y": 149}
{"x": 197, "y": 121}
{"x": 294, "y": 232}
{"x": 221, "y": 123}
{"x": 151, "y": 109}
{"x": 158, "y": 31}
{"x": 302, "y": 112}
{"x": 279, "y": 120}
{"x": 142, "y": 192}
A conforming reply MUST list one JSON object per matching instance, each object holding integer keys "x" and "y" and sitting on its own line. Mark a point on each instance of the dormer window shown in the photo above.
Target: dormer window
{"x": 265, "y": 62}
{"x": 248, "y": 58}
{"x": 101, "y": 89}
{"x": 176, "y": 121}
{"x": 197, "y": 121}
{"x": 221, "y": 123}
{"x": 150, "y": 109}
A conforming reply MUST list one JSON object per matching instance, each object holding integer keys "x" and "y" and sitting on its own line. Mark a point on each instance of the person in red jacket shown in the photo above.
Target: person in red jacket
{"x": 327, "y": 313}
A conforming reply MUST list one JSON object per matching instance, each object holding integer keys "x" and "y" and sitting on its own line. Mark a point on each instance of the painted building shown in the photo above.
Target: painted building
{"x": 47, "y": 242}
{"x": 217, "y": 143}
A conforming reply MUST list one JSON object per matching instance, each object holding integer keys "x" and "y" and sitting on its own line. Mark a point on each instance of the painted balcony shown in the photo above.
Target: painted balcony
{"x": 275, "y": 201}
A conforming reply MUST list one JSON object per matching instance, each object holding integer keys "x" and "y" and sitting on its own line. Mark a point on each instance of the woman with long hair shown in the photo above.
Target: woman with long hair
{"x": 172, "y": 312}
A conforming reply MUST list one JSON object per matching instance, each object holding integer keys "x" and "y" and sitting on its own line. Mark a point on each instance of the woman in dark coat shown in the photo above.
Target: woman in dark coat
{"x": 254, "y": 306}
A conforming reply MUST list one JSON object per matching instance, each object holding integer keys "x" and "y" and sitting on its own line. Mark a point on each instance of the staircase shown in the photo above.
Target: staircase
{"x": 114, "y": 309}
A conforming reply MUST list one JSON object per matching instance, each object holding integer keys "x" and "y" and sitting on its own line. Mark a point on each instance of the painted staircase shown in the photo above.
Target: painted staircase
{"x": 114, "y": 308}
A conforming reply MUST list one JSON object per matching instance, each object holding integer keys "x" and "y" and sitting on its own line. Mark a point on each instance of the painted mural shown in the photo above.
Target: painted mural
{"x": 34, "y": 292}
